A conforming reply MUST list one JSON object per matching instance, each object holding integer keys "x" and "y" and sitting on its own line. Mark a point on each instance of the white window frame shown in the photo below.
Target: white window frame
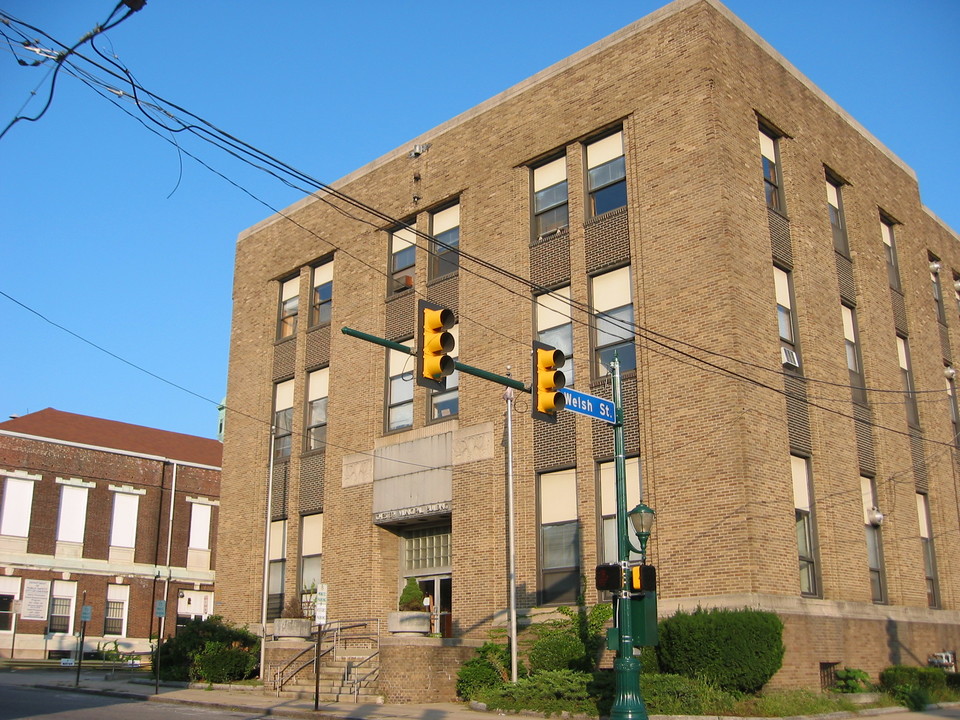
{"x": 555, "y": 326}
{"x": 445, "y": 246}
{"x": 557, "y": 506}
{"x": 318, "y": 391}
{"x": 72, "y": 513}
{"x": 403, "y": 247}
{"x": 612, "y": 294}
{"x": 288, "y": 311}
{"x": 10, "y": 588}
{"x": 283, "y": 419}
{"x": 607, "y": 477}
{"x": 449, "y": 397}
{"x": 117, "y": 594}
{"x": 807, "y": 552}
{"x": 321, "y": 294}
{"x": 605, "y": 152}
{"x": 551, "y": 206}
{"x": 400, "y": 369}
{"x": 311, "y": 550}
{"x": 63, "y": 590}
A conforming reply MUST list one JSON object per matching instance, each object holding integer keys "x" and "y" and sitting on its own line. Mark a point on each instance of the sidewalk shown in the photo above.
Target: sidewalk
{"x": 254, "y": 700}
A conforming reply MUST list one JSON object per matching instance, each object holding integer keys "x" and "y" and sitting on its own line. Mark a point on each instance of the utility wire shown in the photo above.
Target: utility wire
{"x": 246, "y": 153}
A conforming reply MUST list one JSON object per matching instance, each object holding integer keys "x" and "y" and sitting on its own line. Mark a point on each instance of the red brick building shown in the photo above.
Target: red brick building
{"x": 108, "y": 515}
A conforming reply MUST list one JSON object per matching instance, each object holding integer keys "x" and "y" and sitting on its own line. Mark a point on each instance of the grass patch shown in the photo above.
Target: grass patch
{"x": 786, "y": 703}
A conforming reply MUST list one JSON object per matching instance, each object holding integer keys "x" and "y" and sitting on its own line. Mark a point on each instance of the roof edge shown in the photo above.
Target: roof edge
{"x": 673, "y": 8}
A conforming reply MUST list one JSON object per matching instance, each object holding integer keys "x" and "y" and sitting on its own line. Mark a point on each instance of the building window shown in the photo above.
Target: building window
{"x": 62, "y": 599}
{"x": 317, "y": 391}
{"x": 606, "y": 174}
{"x": 559, "y": 538}
{"x": 890, "y": 246}
{"x": 16, "y": 508}
{"x": 770, "y": 155}
{"x": 854, "y": 360}
{"x": 115, "y": 616}
{"x": 806, "y": 537}
{"x": 399, "y": 389}
{"x": 200, "y": 515}
{"x": 786, "y": 319}
{"x": 929, "y": 557}
{"x": 6, "y": 612}
{"x": 426, "y": 550}
{"x": 311, "y": 552}
{"x": 550, "y": 197}
{"x": 906, "y": 374}
{"x": 446, "y": 403}
{"x": 837, "y": 223}
{"x": 871, "y": 521}
{"x": 71, "y": 522}
{"x": 956, "y": 290}
{"x": 321, "y": 297}
{"x": 282, "y": 419}
{"x": 403, "y": 259}
{"x": 123, "y": 529}
{"x": 555, "y": 327}
{"x": 614, "y": 329}
{"x": 276, "y": 568}
{"x": 608, "y": 505}
{"x": 289, "y": 305}
{"x": 445, "y": 246}
{"x": 949, "y": 375}
{"x": 935, "y": 268}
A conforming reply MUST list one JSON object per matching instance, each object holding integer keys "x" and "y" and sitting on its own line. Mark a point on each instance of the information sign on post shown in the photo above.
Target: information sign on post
{"x": 320, "y": 604}
{"x": 590, "y": 405}
{"x": 160, "y": 608}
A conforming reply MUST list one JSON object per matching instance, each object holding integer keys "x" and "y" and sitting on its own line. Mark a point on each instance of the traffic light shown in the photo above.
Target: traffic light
{"x": 643, "y": 578}
{"x": 610, "y": 577}
{"x": 547, "y": 382}
{"x": 434, "y": 344}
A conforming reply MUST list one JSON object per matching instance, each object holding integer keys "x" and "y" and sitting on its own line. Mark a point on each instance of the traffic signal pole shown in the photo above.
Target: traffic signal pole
{"x": 468, "y": 369}
{"x": 627, "y": 702}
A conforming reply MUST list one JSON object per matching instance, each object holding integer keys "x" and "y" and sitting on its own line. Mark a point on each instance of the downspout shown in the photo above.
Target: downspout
{"x": 166, "y": 580}
{"x": 266, "y": 559}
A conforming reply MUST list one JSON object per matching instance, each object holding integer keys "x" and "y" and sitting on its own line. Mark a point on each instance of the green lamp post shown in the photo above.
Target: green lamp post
{"x": 628, "y": 701}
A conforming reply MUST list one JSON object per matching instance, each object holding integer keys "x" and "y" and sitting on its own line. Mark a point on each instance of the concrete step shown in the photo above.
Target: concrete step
{"x": 300, "y": 692}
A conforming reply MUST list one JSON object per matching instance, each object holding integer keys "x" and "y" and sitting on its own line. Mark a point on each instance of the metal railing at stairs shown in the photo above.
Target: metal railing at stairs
{"x": 339, "y": 640}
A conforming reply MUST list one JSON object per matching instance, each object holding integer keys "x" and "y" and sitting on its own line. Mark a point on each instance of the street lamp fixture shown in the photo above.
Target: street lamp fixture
{"x": 642, "y": 518}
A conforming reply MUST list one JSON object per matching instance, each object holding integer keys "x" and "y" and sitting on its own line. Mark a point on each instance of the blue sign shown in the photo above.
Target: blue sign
{"x": 591, "y": 405}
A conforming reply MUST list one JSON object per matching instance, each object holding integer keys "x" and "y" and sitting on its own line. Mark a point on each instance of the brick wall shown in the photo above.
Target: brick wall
{"x": 706, "y": 408}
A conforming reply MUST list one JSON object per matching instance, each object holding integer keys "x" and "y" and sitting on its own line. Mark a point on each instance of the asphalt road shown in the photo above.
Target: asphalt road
{"x": 24, "y": 703}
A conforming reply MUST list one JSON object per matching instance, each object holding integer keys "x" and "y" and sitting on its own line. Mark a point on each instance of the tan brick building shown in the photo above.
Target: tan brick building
{"x": 105, "y": 514}
{"x": 786, "y": 311}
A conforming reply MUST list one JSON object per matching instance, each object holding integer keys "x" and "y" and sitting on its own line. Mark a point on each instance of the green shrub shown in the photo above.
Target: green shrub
{"x": 852, "y": 680}
{"x": 737, "y": 650}
{"x": 790, "y": 703}
{"x": 648, "y": 661}
{"x": 933, "y": 680}
{"x": 914, "y": 697}
{"x": 488, "y": 669}
{"x": 953, "y": 681}
{"x": 221, "y": 663}
{"x": 558, "y": 649}
{"x": 475, "y": 675}
{"x": 176, "y": 655}
{"x": 550, "y": 691}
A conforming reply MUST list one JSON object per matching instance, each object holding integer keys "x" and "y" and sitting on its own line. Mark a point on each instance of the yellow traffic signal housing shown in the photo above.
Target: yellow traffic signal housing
{"x": 434, "y": 344}
{"x": 643, "y": 578}
{"x": 547, "y": 382}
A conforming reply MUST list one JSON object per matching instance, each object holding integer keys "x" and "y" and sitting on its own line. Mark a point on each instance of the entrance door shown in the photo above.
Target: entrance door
{"x": 439, "y": 589}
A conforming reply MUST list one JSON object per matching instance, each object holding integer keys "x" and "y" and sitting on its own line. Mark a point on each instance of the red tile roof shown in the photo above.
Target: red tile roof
{"x": 59, "y": 425}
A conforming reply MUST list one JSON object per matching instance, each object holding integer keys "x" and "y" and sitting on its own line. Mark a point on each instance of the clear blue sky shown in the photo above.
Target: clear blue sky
{"x": 106, "y": 231}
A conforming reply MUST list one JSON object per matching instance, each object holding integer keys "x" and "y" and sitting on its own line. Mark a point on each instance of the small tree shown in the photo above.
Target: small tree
{"x": 411, "y": 598}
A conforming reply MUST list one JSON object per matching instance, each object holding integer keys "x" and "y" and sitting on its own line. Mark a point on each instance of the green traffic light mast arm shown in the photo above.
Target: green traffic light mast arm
{"x": 468, "y": 369}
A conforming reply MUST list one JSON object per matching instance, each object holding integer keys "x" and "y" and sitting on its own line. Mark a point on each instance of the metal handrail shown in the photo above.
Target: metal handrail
{"x": 278, "y": 677}
{"x": 359, "y": 682}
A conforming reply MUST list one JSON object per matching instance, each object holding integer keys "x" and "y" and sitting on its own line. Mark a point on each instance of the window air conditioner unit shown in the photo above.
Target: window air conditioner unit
{"x": 789, "y": 357}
